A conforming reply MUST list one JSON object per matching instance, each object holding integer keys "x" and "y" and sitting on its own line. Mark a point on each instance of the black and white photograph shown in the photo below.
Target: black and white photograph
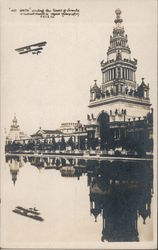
{"x": 78, "y": 124}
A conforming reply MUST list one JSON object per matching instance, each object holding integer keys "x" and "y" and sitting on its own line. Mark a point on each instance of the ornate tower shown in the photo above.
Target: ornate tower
{"x": 14, "y": 126}
{"x": 14, "y": 130}
{"x": 119, "y": 96}
{"x": 15, "y": 133}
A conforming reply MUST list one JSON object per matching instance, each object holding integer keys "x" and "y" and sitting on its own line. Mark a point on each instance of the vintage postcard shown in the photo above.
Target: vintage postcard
{"x": 78, "y": 124}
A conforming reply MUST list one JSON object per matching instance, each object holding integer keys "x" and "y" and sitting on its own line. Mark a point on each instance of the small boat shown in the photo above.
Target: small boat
{"x": 30, "y": 212}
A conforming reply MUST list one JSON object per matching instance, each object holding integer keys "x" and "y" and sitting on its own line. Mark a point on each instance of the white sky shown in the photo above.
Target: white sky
{"x": 53, "y": 87}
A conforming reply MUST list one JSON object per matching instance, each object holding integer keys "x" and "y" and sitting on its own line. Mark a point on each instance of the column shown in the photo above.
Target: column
{"x": 119, "y": 72}
{"x": 134, "y": 76}
{"x": 121, "y": 69}
{"x": 103, "y": 77}
{"x": 129, "y": 74}
{"x": 123, "y": 73}
{"x": 147, "y": 94}
{"x": 114, "y": 73}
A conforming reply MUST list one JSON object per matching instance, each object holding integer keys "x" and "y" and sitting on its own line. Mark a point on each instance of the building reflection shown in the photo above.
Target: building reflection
{"x": 14, "y": 164}
{"x": 120, "y": 192}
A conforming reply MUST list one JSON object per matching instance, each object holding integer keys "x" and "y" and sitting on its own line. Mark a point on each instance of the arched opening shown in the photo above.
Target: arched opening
{"x": 103, "y": 121}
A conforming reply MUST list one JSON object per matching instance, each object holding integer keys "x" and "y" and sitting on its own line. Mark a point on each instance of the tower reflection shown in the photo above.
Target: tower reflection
{"x": 120, "y": 192}
{"x": 15, "y": 163}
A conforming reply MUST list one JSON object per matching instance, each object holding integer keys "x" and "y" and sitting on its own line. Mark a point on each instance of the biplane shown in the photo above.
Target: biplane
{"x": 34, "y": 48}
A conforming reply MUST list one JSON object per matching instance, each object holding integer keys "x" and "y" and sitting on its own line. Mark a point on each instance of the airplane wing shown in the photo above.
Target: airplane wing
{"x": 23, "y": 52}
{"x": 39, "y": 44}
{"x": 23, "y": 48}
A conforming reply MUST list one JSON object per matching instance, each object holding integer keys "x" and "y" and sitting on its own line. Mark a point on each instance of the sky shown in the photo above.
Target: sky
{"x": 53, "y": 87}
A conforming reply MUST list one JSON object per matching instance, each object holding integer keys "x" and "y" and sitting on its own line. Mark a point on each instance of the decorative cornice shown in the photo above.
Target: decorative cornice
{"x": 123, "y": 49}
{"x": 124, "y": 63}
{"x": 129, "y": 99}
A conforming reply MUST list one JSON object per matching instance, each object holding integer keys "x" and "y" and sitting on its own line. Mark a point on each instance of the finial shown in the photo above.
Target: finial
{"x": 14, "y": 119}
{"x": 118, "y": 13}
{"x": 118, "y": 18}
{"x": 142, "y": 79}
{"x": 95, "y": 81}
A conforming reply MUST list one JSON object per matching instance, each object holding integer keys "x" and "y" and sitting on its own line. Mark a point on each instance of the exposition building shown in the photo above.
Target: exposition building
{"x": 120, "y": 113}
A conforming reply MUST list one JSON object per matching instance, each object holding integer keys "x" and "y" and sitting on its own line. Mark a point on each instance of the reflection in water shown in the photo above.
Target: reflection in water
{"x": 119, "y": 191}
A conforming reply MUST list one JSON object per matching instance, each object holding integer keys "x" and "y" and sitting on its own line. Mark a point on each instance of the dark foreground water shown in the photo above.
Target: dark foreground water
{"x": 80, "y": 201}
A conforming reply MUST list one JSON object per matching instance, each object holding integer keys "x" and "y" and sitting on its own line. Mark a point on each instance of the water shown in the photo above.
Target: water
{"x": 81, "y": 201}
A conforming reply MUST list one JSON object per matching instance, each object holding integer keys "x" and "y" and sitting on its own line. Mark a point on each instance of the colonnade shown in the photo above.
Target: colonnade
{"x": 119, "y": 72}
{"x": 115, "y": 43}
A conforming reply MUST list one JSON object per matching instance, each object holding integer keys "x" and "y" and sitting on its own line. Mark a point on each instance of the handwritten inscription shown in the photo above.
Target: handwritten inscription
{"x": 47, "y": 13}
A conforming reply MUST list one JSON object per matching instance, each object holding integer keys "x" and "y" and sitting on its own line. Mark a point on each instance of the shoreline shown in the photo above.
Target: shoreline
{"x": 86, "y": 157}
